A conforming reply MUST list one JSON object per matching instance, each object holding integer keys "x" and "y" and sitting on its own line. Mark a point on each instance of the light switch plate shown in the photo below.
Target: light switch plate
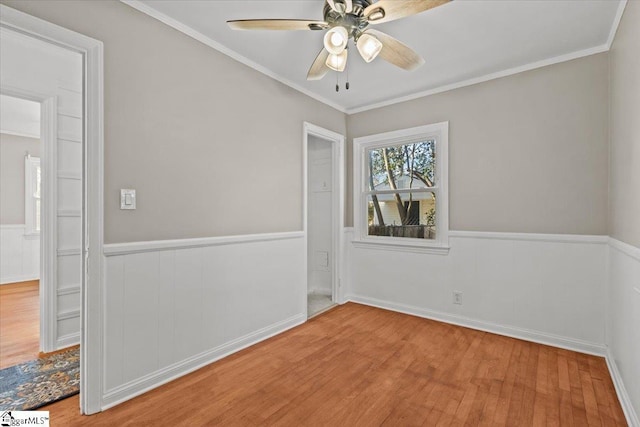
{"x": 127, "y": 198}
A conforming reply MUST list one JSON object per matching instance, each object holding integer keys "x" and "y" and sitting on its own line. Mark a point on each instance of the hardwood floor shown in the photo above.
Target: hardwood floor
{"x": 358, "y": 365}
{"x": 19, "y": 323}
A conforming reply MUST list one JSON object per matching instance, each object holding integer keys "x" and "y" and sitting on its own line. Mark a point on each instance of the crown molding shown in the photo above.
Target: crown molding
{"x": 482, "y": 79}
{"x": 185, "y": 29}
{"x": 142, "y": 7}
{"x": 616, "y": 23}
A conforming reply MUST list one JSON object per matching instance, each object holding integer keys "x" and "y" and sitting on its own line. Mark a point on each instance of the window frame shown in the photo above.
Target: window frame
{"x": 31, "y": 164}
{"x": 361, "y": 145}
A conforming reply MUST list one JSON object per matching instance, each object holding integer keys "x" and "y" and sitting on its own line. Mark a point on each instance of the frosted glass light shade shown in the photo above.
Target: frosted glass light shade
{"x": 369, "y": 47}
{"x": 337, "y": 62}
{"x": 335, "y": 40}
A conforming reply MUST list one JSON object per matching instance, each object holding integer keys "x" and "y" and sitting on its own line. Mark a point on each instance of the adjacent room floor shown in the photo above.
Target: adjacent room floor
{"x": 19, "y": 323}
{"x": 359, "y": 365}
{"x": 317, "y": 303}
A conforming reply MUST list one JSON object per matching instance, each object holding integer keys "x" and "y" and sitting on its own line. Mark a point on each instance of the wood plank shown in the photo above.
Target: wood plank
{"x": 358, "y": 365}
{"x": 19, "y": 323}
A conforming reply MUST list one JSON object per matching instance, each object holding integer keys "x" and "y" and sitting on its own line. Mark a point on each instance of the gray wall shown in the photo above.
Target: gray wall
{"x": 211, "y": 146}
{"x": 12, "y": 151}
{"x": 624, "y": 207}
{"x": 528, "y": 152}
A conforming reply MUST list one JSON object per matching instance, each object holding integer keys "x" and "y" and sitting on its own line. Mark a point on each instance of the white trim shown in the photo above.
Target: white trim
{"x": 69, "y": 213}
{"x": 69, "y": 252}
{"x": 338, "y": 188}
{"x": 68, "y": 136}
{"x": 625, "y": 248}
{"x": 439, "y": 131}
{"x": 93, "y": 223}
{"x": 185, "y": 29}
{"x": 481, "y": 325}
{"x": 17, "y": 279}
{"x": 71, "y": 314}
{"x": 67, "y": 113}
{"x": 49, "y": 225}
{"x": 624, "y": 398}
{"x": 12, "y": 226}
{"x": 22, "y": 134}
{"x": 141, "y": 385}
{"x": 68, "y": 341}
{"x": 48, "y": 201}
{"x": 69, "y": 291}
{"x": 114, "y": 249}
{"x": 30, "y": 163}
{"x": 69, "y": 175}
{"x": 400, "y": 247}
{"x": 532, "y": 237}
{"x": 616, "y": 23}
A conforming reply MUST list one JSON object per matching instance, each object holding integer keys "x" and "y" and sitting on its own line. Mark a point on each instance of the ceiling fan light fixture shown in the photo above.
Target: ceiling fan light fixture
{"x": 337, "y": 62}
{"x": 335, "y": 40}
{"x": 376, "y": 14}
{"x": 369, "y": 47}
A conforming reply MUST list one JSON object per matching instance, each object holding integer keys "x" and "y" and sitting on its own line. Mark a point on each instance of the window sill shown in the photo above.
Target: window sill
{"x": 401, "y": 247}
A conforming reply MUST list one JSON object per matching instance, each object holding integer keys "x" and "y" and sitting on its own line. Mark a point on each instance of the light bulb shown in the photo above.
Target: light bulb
{"x": 369, "y": 47}
{"x": 337, "y": 62}
{"x": 335, "y": 40}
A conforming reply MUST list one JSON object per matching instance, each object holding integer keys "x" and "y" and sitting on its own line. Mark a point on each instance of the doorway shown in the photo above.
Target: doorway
{"x": 20, "y": 226}
{"x": 323, "y": 216}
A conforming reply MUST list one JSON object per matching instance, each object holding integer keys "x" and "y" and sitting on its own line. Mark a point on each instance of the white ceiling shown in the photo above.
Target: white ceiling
{"x": 19, "y": 117}
{"x": 463, "y": 42}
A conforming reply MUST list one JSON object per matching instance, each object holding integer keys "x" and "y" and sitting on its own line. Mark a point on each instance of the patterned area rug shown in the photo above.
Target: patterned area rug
{"x": 39, "y": 382}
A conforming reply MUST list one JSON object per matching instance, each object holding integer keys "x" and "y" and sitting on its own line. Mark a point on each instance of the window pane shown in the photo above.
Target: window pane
{"x": 402, "y": 166}
{"x": 402, "y": 215}
{"x": 38, "y": 179}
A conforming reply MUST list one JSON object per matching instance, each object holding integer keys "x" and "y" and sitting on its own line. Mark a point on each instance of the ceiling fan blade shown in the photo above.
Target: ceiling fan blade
{"x": 390, "y": 10}
{"x": 277, "y": 24}
{"x": 396, "y": 52}
{"x": 318, "y": 68}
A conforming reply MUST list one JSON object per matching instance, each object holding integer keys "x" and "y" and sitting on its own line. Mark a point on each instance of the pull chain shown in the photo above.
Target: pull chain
{"x": 337, "y": 83}
{"x": 347, "y": 85}
{"x": 347, "y": 67}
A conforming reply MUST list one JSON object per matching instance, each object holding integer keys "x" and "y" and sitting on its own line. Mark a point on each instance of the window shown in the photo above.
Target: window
{"x": 32, "y": 190}
{"x": 400, "y": 188}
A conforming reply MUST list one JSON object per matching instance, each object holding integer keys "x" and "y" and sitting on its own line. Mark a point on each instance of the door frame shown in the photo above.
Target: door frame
{"x": 338, "y": 193}
{"x": 92, "y": 289}
{"x": 48, "y": 232}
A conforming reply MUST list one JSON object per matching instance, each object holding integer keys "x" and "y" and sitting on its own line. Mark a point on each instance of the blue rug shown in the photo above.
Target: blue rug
{"x": 39, "y": 382}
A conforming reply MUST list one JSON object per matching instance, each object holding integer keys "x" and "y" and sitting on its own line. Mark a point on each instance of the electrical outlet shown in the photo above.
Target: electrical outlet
{"x": 457, "y": 297}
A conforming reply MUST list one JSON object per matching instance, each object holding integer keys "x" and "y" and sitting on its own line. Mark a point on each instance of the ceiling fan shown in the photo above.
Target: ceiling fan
{"x": 346, "y": 19}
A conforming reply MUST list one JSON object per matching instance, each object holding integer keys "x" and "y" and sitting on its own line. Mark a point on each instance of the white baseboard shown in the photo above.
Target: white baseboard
{"x": 17, "y": 279}
{"x": 68, "y": 340}
{"x": 148, "y": 382}
{"x": 481, "y": 325}
{"x": 621, "y": 391}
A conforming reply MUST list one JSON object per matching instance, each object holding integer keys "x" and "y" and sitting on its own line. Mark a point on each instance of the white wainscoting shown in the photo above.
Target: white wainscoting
{"x": 174, "y": 306}
{"x": 19, "y": 254}
{"x": 543, "y": 288}
{"x": 623, "y": 326}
